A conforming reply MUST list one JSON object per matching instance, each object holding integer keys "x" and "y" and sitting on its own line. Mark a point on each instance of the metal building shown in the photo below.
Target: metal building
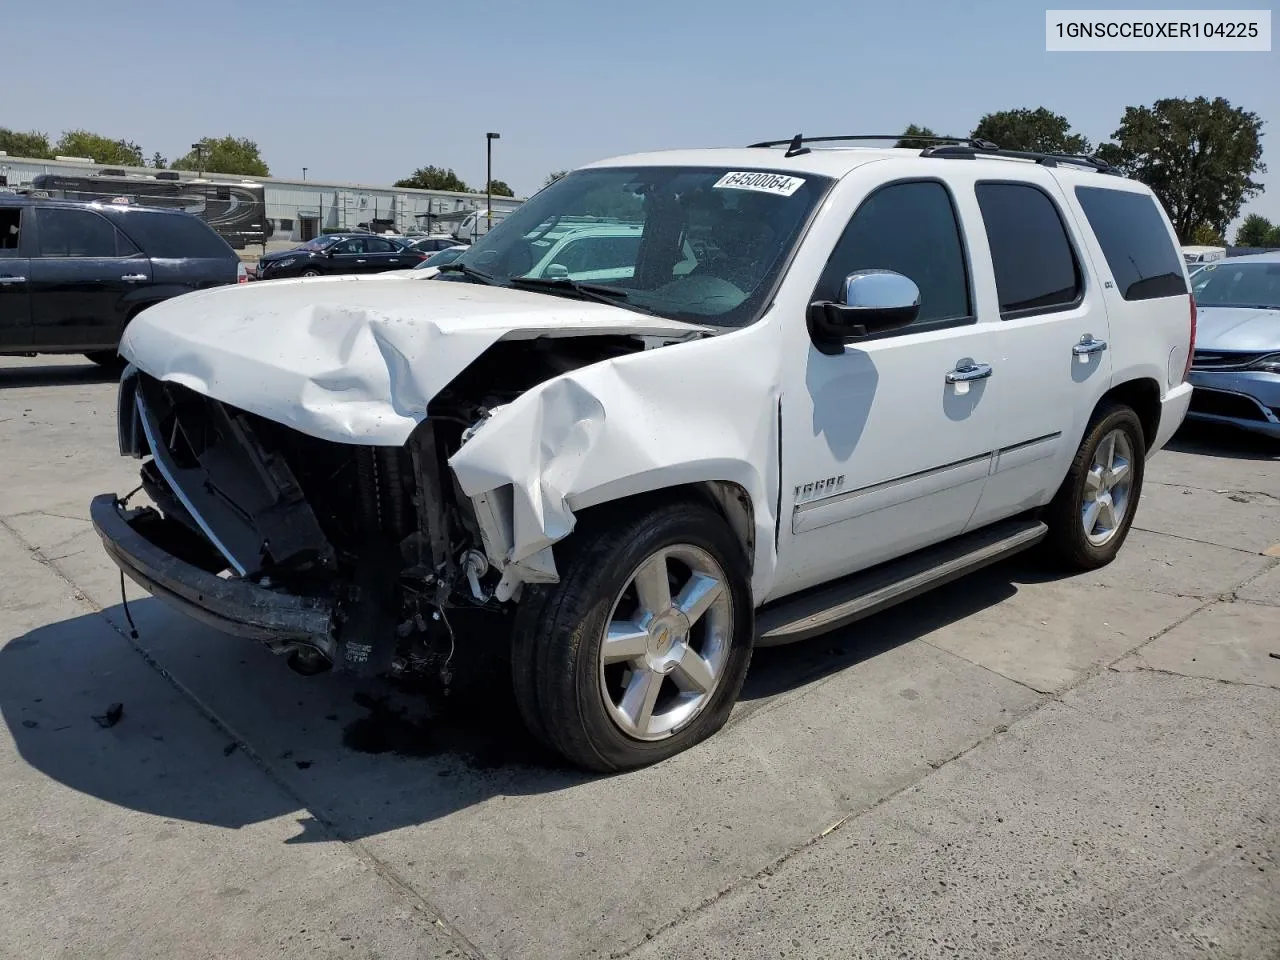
{"x": 294, "y": 209}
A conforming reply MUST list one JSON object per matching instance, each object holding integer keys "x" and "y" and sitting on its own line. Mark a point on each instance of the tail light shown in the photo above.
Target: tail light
{"x": 242, "y": 275}
{"x": 1191, "y": 344}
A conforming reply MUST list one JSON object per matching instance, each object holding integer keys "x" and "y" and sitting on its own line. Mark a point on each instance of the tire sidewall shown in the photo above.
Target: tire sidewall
{"x": 699, "y": 527}
{"x": 1117, "y": 418}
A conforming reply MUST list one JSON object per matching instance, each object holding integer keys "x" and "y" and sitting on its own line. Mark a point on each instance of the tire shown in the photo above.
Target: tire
{"x": 310, "y": 272}
{"x": 107, "y": 359}
{"x": 579, "y": 705}
{"x": 1069, "y": 545}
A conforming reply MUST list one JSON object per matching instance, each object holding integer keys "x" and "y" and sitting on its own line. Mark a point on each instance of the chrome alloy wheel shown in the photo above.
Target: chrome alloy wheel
{"x": 666, "y": 642}
{"x": 1107, "y": 487}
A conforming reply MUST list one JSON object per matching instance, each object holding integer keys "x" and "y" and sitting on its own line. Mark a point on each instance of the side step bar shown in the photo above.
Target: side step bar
{"x": 870, "y": 591}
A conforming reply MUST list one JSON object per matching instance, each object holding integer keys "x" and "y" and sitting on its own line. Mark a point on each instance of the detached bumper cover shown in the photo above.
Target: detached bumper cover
{"x": 232, "y": 606}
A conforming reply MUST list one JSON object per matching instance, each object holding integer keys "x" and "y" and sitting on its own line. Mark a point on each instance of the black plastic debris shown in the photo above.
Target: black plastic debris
{"x": 111, "y": 717}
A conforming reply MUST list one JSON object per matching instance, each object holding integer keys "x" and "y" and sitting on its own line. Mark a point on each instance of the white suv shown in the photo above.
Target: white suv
{"x": 886, "y": 368}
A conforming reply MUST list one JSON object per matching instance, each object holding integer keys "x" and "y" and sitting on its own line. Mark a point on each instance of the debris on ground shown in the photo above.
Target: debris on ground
{"x": 111, "y": 717}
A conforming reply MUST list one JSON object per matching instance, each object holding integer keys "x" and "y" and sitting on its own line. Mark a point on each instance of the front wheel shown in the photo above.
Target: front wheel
{"x": 310, "y": 272}
{"x": 641, "y": 650}
{"x": 107, "y": 359}
{"x": 1092, "y": 512}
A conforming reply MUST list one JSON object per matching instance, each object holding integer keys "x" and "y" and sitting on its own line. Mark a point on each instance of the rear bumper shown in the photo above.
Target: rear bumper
{"x": 230, "y": 605}
{"x": 1173, "y": 410}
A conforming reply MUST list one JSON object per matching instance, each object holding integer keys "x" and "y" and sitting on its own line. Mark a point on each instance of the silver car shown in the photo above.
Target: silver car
{"x": 1236, "y": 364}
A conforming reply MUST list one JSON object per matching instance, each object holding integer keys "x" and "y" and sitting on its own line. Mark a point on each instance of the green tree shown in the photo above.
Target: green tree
{"x": 30, "y": 144}
{"x": 228, "y": 154}
{"x": 914, "y": 131}
{"x": 158, "y": 161}
{"x": 1022, "y": 129}
{"x": 553, "y": 176}
{"x": 1257, "y": 231}
{"x": 500, "y": 189}
{"x": 83, "y": 143}
{"x": 1205, "y": 235}
{"x": 434, "y": 178}
{"x": 1199, "y": 156}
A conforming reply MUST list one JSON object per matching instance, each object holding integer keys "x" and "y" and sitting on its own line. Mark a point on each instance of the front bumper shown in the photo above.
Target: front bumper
{"x": 1249, "y": 400}
{"x": 233, "y": 606}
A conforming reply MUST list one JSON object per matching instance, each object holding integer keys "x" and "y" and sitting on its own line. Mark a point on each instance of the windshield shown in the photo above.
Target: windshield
{"x": 1226, "y": 284}
{"x": 701, "y": 244}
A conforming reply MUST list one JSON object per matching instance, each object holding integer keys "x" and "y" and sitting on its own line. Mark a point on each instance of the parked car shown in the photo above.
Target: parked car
{"x": 74, "y": 274}
{"x": 432, "y": 244}
{"x": 884, "y": 368}
{"x": 338, "y": 253}
{"x": 441, "y": 257}
{"x": 1236, "y": 367}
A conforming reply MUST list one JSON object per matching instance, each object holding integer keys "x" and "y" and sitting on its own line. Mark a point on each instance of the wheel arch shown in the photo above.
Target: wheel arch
{"x": 1142, "y": 395}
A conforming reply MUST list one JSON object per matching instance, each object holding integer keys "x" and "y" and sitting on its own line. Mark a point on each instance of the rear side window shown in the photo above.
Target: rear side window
{"x": 79, "y": 233}
{"x": 1036, "y": 269}
{"x": 175, "y": 235}
{"x": 1143, "y": 260}
{"x": 10, "y": 230}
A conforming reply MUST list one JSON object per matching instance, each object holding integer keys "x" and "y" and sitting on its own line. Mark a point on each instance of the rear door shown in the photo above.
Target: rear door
{"x": 83, "y": 279}
{"x": 383, "y": 254}
{"x": 185, "y": 253}
{"x": 15, "y": 298}
{"x": 1054, "y": 361}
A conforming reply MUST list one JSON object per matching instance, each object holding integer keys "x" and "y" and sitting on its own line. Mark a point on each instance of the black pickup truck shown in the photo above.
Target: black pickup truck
{"x": 73, "y": 274}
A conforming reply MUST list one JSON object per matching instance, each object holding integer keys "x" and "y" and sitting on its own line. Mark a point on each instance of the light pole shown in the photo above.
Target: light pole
{"x": 304, "y": 173}
{"x": 199, "y": 149}
{"x": 488, "y": 180}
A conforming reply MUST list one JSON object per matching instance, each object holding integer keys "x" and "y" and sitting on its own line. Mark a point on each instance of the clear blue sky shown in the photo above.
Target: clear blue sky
{"x": 367, "y": 91}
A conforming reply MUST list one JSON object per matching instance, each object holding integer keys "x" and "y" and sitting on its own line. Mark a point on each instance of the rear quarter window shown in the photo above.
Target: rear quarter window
{"x": 1140, "y": 253}
{"x": 175, "y": 236}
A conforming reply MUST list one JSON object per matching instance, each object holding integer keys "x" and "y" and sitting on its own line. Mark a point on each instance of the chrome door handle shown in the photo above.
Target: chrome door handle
{"x": 1088, "y": 346}
{"x": 967, "y": 374}
{"x": 134, "y": 277}
{"x": 359, "y": 261}
{"x": 9, "y": 279}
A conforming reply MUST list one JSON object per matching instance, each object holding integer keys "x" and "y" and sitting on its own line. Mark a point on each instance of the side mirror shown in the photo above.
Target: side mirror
{"x": 556, "y": 271}
{"x": 874, "y": 301}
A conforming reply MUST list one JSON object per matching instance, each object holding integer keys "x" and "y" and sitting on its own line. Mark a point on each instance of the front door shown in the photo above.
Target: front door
{"x": 887, "y": 446}
{"x": 83, "y": 281}
{"x": 15, "y": 300}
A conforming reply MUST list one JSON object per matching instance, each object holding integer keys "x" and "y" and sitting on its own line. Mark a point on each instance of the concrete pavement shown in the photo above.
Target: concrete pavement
{"x": 1017, "y": 765}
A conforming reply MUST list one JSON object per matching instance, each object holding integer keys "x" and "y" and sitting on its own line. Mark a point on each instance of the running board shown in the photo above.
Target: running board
{"x": 870, "y": 591}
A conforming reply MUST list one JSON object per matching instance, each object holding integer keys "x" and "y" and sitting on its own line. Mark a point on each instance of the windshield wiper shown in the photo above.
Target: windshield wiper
{"x": 469, "y": 272}
{"x": 599, "y": 292}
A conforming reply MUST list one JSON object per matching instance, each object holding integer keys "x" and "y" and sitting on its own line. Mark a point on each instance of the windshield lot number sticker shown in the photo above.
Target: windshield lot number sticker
{"x": 775, "y": 183}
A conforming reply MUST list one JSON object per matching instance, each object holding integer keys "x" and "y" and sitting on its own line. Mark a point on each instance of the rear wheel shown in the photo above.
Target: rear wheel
{"x": 1092, "y": 513}
{"x": 641, "y": 649}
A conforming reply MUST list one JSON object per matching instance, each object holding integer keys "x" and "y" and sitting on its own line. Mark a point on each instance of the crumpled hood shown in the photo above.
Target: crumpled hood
{"x": 1237, "y": 328}
{"x": 352, "y": 359}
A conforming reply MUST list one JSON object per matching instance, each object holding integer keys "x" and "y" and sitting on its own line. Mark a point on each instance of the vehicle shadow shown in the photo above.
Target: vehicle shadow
{"x": 54, "y": 375}
{"x": 345, "y": 758}
{"x": 1223, "y": 442}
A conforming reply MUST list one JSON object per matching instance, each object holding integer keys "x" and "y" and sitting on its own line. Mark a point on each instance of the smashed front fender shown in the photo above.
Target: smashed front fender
{"x": 683, "y": 414}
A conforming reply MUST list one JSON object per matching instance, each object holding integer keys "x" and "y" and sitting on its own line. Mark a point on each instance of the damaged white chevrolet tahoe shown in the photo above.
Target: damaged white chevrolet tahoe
{"x": 759, "y": 393}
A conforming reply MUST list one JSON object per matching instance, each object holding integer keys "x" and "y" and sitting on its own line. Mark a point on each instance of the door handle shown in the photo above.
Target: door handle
{"x": 969, "y": 373}
{"x": 1088, "y": 346}
{"x": 359, "y": 261}
{"x": 133, "y": 277}
{"x": 11, "y": 279}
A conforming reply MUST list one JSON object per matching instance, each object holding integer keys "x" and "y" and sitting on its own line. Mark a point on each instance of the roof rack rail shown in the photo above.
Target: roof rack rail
{"x": 968, "y": 152}
{"x": 795, "y": 145}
